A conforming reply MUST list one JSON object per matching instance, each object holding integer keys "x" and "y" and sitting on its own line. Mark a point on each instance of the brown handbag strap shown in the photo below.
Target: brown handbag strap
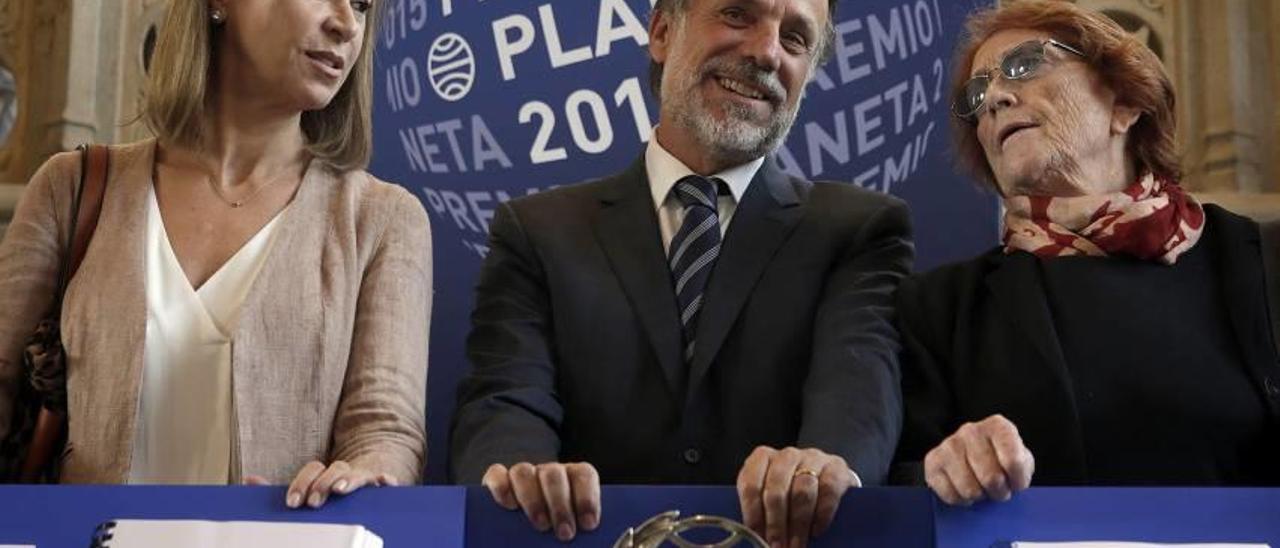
{"x": 86, "y": 207}
{"x": 94, "y": 160}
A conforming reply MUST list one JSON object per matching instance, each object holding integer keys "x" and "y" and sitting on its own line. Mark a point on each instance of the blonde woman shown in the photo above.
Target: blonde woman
{"x": 254, "y": 305}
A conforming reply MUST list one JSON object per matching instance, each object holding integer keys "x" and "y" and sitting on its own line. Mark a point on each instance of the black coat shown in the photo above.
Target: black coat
{"x": 979, "y": 340}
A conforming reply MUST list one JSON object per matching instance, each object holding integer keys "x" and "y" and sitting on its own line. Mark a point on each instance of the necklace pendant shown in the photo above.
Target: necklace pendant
{"x": 236, "y": 204}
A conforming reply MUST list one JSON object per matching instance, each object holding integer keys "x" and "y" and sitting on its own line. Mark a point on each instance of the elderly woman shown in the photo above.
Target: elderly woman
{"x": 254, "y": 305}
{"x": 1119, "y": 336}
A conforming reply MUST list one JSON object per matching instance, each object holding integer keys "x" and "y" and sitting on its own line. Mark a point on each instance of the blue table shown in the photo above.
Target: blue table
{"x": 1153, "y": 515}
{"x": 61, "y": 516}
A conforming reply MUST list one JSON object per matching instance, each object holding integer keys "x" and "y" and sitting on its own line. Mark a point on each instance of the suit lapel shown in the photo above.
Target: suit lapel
{"x": 769, "y": 211}
{"x": 1244, "y": 290}
{"x": 1017, "y": 287}
{"x": 1019, "y": 290}
{"x": 627, "y": 229}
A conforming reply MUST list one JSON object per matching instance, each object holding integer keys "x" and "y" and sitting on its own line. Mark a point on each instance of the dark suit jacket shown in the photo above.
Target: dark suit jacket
{"x": 979, "y": 339}
{"x": 575, "y": 345}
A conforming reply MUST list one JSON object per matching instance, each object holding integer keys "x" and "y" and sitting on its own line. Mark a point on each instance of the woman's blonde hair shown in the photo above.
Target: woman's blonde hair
{"x": 341, "y": 133}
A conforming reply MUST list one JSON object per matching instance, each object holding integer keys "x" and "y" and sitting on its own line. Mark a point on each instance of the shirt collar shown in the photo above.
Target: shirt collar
{"x": 665, "y": 170}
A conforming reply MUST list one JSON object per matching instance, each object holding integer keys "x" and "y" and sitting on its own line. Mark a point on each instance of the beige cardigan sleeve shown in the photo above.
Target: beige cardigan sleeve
{"x": 29, "y": 260}
{"x": 380, "y": 423}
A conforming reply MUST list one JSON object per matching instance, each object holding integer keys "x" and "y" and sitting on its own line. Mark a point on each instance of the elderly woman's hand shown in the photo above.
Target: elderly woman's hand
{"x": 316, "y": 482}
{"x": 983, "y": 459}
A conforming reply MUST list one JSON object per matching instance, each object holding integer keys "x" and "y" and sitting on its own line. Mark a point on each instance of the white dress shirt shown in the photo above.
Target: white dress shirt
{"x": 185, "y": 426}
{"x": 665, "y": 171}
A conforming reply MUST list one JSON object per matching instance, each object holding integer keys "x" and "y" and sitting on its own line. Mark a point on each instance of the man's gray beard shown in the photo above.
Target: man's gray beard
{"x": 734, "y": 140}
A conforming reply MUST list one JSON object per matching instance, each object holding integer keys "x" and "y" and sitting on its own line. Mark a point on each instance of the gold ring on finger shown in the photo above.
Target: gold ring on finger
{"x": 805, "y": 472}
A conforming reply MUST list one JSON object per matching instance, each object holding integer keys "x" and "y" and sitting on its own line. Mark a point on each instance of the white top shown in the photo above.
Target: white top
{"x": 185, "y": 425}
{"x": 665, "y": 171}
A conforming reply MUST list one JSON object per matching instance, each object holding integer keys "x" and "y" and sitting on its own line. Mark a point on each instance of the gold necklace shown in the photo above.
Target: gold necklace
{"x": 236, "y": 204}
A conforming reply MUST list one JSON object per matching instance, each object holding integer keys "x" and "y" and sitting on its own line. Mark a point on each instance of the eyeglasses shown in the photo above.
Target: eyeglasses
{"x": 1019, "y": 63}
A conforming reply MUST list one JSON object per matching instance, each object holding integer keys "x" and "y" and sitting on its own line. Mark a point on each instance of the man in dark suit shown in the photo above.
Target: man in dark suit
{"x": 701, "y": 317}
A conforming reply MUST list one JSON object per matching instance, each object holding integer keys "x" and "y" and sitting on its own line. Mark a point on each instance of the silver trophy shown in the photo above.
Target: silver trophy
{"x": 667, "y": 527}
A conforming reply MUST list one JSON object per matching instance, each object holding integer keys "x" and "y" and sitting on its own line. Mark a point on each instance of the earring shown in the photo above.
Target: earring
{"x": 218, "y": 16}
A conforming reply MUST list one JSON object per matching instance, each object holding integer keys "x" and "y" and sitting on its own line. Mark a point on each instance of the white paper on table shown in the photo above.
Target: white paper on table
{"x": 236, "y": 534}
{"x": 1109, "y": 544}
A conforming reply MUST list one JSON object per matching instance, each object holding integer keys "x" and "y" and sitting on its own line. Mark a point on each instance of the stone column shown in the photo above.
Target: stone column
{"x": 80, "y": 75}
{"x": 1222, "y": 57}
{"x": 1229, "y": 95}
{"x": 1230, "y": 104}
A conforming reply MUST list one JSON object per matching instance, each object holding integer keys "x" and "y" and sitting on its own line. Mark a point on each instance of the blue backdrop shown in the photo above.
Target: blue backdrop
{"x": 481, "y": 101}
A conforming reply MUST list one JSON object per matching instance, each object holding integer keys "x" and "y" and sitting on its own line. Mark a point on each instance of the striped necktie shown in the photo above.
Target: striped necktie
{"x": 693, "y": 251}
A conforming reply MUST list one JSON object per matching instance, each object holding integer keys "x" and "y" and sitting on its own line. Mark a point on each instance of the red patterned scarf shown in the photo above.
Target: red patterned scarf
{"x": 1151, "y": 220}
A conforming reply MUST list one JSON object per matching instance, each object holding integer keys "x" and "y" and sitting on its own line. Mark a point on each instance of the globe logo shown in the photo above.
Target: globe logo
{"x": 451, "y": 67}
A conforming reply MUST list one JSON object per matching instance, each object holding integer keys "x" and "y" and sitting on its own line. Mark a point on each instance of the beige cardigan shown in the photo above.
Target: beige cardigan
{"x": 329, "y": 361}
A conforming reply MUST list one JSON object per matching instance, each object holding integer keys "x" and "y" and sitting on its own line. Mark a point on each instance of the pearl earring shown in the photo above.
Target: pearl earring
{"x": 218, "y": 16}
